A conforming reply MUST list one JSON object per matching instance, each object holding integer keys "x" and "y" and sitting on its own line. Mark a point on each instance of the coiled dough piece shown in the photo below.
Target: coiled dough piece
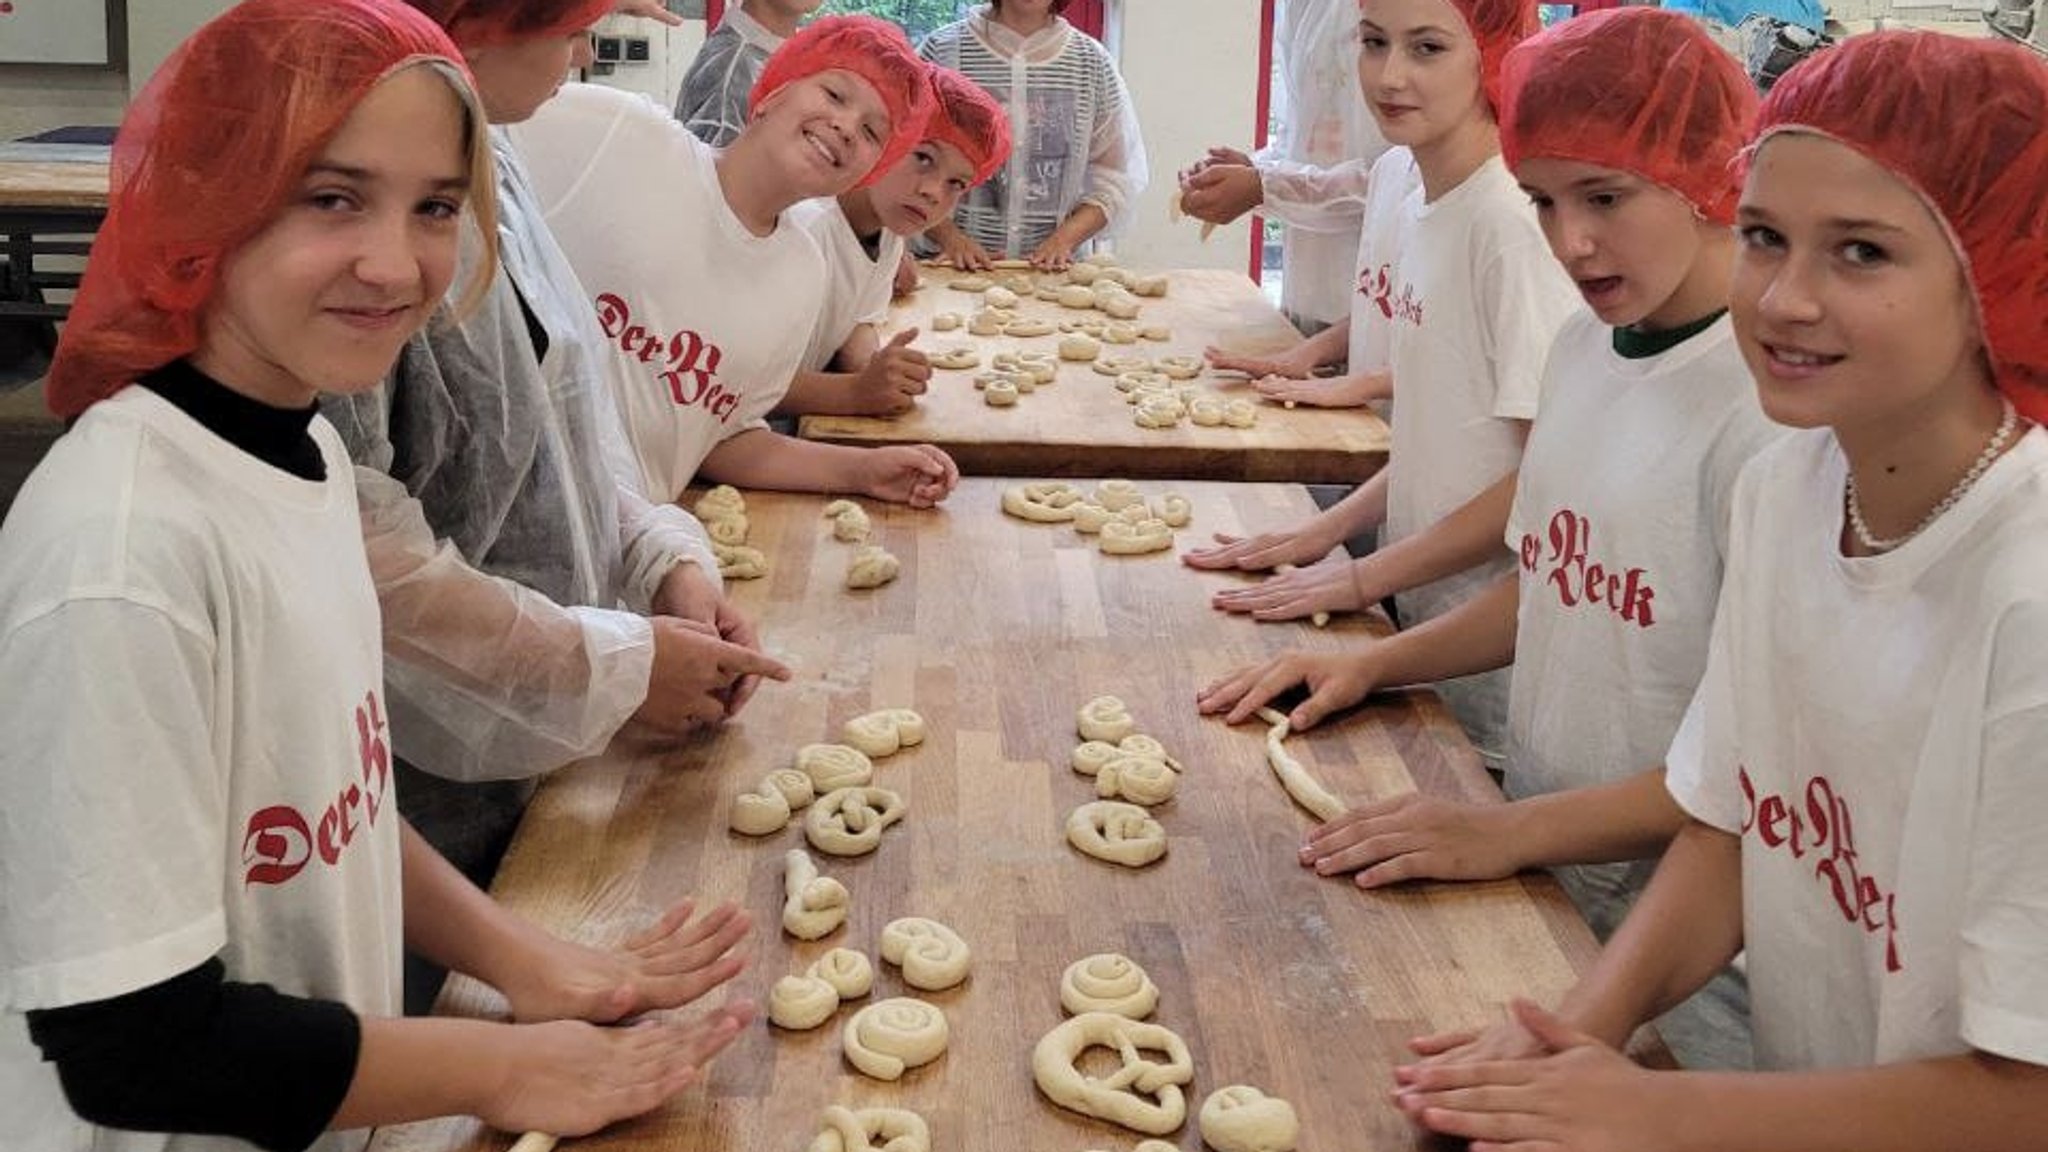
{"x": 1180, "y": 367}
{"x": 847, "y": 971}
{"x": 1001, "y": 392}
{"x": 834, "y": 766}
{"x": 871, "y": 1130}
{"x": 1206, "y": 411}
{"x": 957, "y": 357}
{"x": 889, "y": 1037}
{"x": 1158, "y": 412}
{"x": 1301, "y": 787}
{"x": 1049, "y": 502}
{"x": 739, "y": 562}
{"x": 884, "y": 733}
{"x": 1089, "y": 758}
{"x": 1089, "y": 517}
{"x": 813, "y": 905}
{"x": 1118, "y": 365}
{"x": 719, "y": 503}
{"x": 1240, "y": 414}
{"x": 1028, "y": 326}
{"x": 933, "y": 957}
{"x": 730, "y": 531}
{"x": 1117, "y": 832}
{"x": 1117, "y": 495}
{"x": 1141, "y": 380}
{"x": 1138, "y": 779}
{"x": 761, "y": 813}
{"x": 800, "y": 1003}
{"x": 849, "y": 821}
{"x": 1240, "y": 1118}
{"x": 1105, "y": 718}
{"x": 1139, "y": 744}
{"x": 1120, "y": 1097}
{"x": 1175, "y": 509}
{"x": 795, "y": 786}
{"x": 850, "y": 523}
{"x": 1124, "y": 539}
{"x": 871, "y": 567}
{"x": 1042, "y": 367}
{"x": 1108, "y": 982}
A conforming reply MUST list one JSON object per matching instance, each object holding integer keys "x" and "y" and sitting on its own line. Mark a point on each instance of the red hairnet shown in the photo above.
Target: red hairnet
{"x": 206, "y": 158}
{"x": 1964, "y": 122}
{"x": 969, "y": 119}
{"x": 1643, "y": 90}
{"x": 872, "y": 49}
{"x": 480, "y": 23}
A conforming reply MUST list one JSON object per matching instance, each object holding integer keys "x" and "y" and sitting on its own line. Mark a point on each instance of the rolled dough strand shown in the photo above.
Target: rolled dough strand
{"x": 536, "y": 1142}
{"x": 1300, "y": 786}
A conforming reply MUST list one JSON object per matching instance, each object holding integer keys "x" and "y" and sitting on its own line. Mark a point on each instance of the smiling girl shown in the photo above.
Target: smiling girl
{"x": 202, "y": 865}
{"x": 1861, "y": 767}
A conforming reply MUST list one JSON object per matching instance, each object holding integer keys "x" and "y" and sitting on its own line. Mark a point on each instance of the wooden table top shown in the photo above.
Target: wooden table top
{"x": 997, "y": 631}
{"x": 1080, "y": 425}
{"x": 53, "y": 177}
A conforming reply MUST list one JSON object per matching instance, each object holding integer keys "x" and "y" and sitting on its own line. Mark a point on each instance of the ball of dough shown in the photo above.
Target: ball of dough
{"x": 1206, "y": 411}
{"x": 999, "y": 297}
{"x": 1149, "y": 285}
{"x": 1240, "y": 414}
{"x": 1121, "y": 305}
{"x": 1117, "y": 832}
{"x": 933, "y": 957}
{"x": 1079, "y": 348}
{"x": 849, "y": 821}
{"x": 1240, "y": 1118}
{"x": 1105, "y": 718}
{"x": 1083, "y": 272}
{"x": 882, "y": 733}
{"x": 871, "y": 567}
{"x": 946, "y": 321}
{"x": 1076, "y": 296}
{"x": 1108, "y": 982}
{"x": 800, "y": 1003}
{"x": 889, "y": 1037}
{"x": 847, "y": 971}
{"x": 834, "y": 766}
{"x": 1001, "y": 392}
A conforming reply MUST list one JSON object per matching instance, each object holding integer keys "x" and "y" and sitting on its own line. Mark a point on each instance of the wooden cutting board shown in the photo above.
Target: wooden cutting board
{"x": 1080, "y": 425}
{"x": 997, "y": 631}
{"x": 52, "y": 184}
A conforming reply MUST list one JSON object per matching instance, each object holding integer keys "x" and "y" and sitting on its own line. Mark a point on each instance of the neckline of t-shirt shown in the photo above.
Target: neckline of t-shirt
{"x": 1906, "y": 562}
{"x": 1471, "y": 190}
{"x": 1014, "y": 45}
{"x": 1716, "y": 336}
{"x": 236, "y": 466}
{"x": 729, "y": 221}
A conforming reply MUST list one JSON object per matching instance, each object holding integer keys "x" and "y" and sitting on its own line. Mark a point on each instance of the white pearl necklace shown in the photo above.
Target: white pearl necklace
{"x": 1997, "y": 443}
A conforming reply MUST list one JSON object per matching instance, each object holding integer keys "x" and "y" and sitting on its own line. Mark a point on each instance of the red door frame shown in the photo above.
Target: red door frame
{"x": 1087, "y": 15}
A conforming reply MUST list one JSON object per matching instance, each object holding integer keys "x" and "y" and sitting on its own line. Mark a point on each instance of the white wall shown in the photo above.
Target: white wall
{"x": 36, "y": 98}
{"x": 671, "y": 49}
{"x": 1193, "y": 68}
{"x": 155, "y": 27}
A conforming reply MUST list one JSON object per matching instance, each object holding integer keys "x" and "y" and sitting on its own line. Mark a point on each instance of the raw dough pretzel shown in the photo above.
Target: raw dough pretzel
{"x": 1041, "y": 367}
{"x": 1079, "y": 347}
{"x": 1240, "y": 414}
{"x": 971, "y": 284}
{"x": 1121, "y": 538}
{"x": 871, "y": 567}
{"x": 1050, "y": 502}
{"x": 1159, "y": 412}
{"x": 883, "y": 733}
{"x": 1301, "y": 787}
{"x": 999, "y": 297}
{"x": 850, "y": 523}
{"x": 834, "y": 766}
{"x": 1138, "y": 779}
{"x": 1206, "y": 411}
{"x": 1240, "y": 1118}
{"x": 888, "y": 1037}
{"x": 1116, "y": 1098}
{"x": 739, "y": 562}
{"x": 800, "y": 1003}
{"x": 871, "y": 1130}
{"x": 1117, "y": 832}
{"x": 956, "y": 358}
{"x": 1105, "y": 718}
{"x": 1180, "y": 367}
{"x": 933, "y": 957}
{"x": 1118, "y": 365}
{"x": 947, "y": 321}
{"x": 1028, "y": 327}
{"x": 1108, "y": 982}
{"x": 1173, "y": 508}
{"x": 849, "y": 821}
{"x": 1117, "y": 494}
{"x": 1001, "y": 392}
{"x": 813, "y": 905}
{"x": 1076, "y": 295}
{"x": 847, "y": 971}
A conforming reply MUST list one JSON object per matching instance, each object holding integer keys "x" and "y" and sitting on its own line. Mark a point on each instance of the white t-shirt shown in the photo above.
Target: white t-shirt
{"x": 697, "y": 312}
{"x": 1873, "y": 730}
{"x": 1384, "y": 231}
{"x": 196, "y": 761}
{"x": 1473, "y": 301}
{"x": 858, "y": 287}
{"x": 1620, "y": 520}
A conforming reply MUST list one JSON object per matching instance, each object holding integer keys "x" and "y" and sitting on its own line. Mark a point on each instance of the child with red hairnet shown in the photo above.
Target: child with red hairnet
{"x": 1458, "y": 301}
{"x": 847, "y": 370}
{"x": 698, "y": 274}
{"x": 204, "y": 881}
{"x": 1624, "y": 128}
{"x": 1861, "y": 769}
